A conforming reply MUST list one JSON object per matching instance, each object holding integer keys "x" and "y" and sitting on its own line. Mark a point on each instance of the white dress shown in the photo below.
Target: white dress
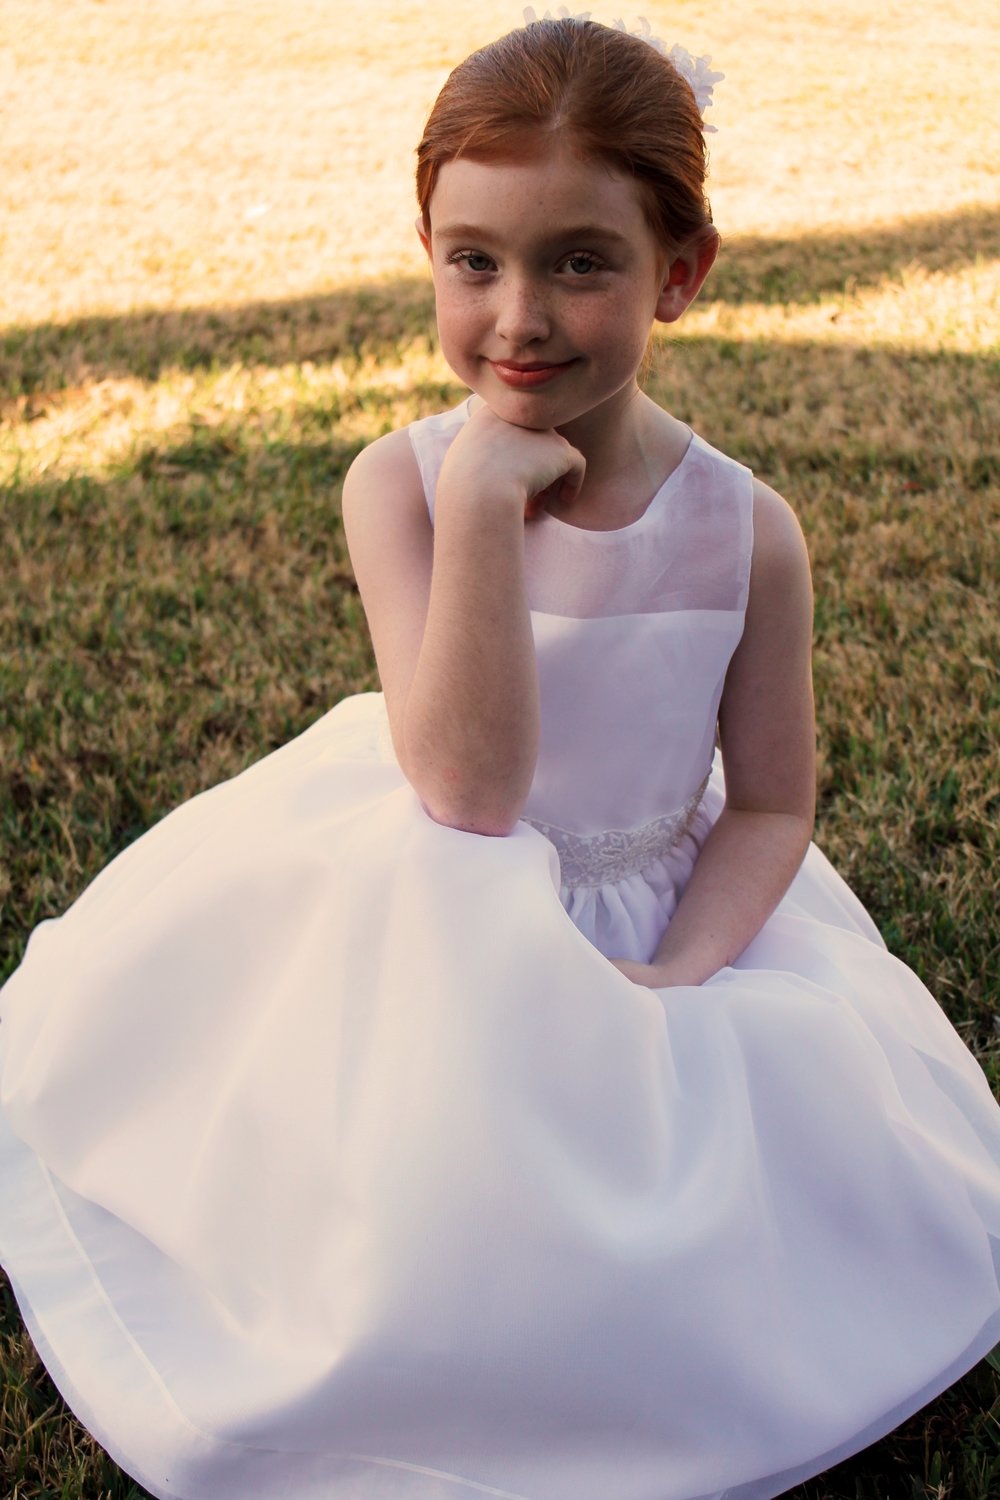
{"x": 338, "y": 1163}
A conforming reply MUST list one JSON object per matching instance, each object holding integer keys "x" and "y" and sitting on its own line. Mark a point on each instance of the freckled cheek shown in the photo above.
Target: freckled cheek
{"x": 599, "y": 321}
{"x": 458, "y": 344}
{"x": 613, "y": 342}
{"x": 460, "y": 326}
{"x": 596, "y": 325}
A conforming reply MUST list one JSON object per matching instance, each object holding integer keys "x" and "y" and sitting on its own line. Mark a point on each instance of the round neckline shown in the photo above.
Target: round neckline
{"x": 545, "y": 518}
{"x": 655, "y": 505}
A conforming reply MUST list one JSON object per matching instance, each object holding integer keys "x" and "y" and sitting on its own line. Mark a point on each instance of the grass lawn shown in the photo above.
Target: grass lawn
{"x": 212, "y": 297}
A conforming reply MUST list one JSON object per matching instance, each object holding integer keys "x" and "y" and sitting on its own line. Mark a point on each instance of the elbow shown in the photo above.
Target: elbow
{"x": 801, "y": 826}
{"x": 472, "y": 816}
{"x": 471, "y": 804}
{"x": 805, "y": 814}
{"x": 472, "y": 793}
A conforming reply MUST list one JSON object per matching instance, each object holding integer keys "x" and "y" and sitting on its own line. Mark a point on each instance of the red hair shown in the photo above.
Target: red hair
{"x": 615, "y": 97}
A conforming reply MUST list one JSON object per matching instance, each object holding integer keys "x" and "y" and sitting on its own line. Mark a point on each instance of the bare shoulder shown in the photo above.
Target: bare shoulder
{"x": 779, "y": 548}
{"x": 386, "y": 522}
{"x": 390, "y": 540}
{"x": 780, "y": 576}
{"x": 385, "y": 468}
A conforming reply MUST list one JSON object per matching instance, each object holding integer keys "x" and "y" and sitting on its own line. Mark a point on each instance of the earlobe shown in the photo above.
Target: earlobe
{"x": 684, "y": 279}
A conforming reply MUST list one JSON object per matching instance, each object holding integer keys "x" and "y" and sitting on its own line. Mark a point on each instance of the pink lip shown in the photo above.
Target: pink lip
{"x": 525, "y": 377}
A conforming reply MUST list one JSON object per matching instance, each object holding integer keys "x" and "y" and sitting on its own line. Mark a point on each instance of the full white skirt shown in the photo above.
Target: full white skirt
{"x": 336, "y": 1160}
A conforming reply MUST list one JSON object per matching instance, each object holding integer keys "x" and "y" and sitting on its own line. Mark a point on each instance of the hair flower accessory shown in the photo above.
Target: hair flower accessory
{"x": 696, "y": 71}
{"x": 562, "y": 14}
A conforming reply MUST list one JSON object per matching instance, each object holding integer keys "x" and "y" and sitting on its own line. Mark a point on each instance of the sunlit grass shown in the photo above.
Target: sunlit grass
{"x": 212, "y": 296}
{"x": 188, "y": 156}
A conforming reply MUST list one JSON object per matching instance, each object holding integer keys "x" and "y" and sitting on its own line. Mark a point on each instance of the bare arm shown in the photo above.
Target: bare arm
{"x": 448, "y": 612}
{"x": 768, "y": 744}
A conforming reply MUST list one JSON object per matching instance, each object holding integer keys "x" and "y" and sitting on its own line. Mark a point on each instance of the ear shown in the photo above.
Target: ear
{"x": 423, "y": 231}
{"x": 684, "y": 277}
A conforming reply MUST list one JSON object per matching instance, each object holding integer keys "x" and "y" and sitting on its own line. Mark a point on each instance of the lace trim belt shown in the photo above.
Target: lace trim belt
{"x": 591, "y": 859}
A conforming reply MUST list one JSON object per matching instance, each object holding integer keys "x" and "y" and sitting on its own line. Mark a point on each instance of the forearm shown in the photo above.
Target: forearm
{"x": 448, "y": 611}
{"x": 745, "y": 867}
{"x": 470, "y": 722}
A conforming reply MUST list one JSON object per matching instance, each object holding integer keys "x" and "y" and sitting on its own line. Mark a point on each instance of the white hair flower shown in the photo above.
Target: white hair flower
{"x": 562, "y": 14}
{"x": 696, "y": 71}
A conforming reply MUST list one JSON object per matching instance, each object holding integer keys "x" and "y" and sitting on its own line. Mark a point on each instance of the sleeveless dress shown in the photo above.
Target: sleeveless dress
{"x": 338, "y": 1163}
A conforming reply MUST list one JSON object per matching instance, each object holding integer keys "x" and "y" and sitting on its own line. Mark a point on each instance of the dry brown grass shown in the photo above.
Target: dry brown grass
{"x": 222, "y": 151}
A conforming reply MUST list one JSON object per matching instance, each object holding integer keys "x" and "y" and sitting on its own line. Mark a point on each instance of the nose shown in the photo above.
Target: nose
{"x": 522, "y": 314}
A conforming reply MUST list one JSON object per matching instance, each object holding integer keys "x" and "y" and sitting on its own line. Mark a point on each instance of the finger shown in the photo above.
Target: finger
{"x": 541, "y": 498}
{"x": 571, "y": 482}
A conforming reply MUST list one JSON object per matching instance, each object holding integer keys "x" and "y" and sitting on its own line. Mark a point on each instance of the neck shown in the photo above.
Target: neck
{"x": 630, "y": 445}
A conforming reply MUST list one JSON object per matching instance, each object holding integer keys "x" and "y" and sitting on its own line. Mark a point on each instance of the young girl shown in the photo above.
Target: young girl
{"x": 478, "y": 1096}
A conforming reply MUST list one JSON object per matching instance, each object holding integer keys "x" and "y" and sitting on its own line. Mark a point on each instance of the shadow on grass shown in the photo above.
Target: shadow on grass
{"x": 812, "y": 267}
{"x": 369, "y": 321}
{"x": 375, "y": 320}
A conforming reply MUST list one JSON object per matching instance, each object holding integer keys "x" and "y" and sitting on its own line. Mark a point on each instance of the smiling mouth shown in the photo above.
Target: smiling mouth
{"x": 526, "y": 376}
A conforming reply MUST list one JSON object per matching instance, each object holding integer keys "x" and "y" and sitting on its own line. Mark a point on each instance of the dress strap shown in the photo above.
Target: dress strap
{"x": 592, "y": 859}
{"x": 430, "y": 439}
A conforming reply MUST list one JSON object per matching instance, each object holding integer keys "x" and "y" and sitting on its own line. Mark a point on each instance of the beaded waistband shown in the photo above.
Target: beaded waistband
{"x": 591, "y": 859}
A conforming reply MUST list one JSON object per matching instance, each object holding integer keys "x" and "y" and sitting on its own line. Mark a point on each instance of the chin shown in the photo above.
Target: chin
{"x": 532, "y": 421}
{"x": 540, "y": 412}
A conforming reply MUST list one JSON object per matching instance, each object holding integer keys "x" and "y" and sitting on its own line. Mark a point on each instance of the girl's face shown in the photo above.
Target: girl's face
{"x": 547, "y": 280}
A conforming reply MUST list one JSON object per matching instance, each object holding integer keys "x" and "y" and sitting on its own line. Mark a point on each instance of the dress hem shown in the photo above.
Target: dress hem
{"x": 63, "y": 1276}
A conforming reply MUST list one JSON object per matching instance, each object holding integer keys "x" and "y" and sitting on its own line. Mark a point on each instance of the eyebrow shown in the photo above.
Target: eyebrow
{"x": 559, "y": 236}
